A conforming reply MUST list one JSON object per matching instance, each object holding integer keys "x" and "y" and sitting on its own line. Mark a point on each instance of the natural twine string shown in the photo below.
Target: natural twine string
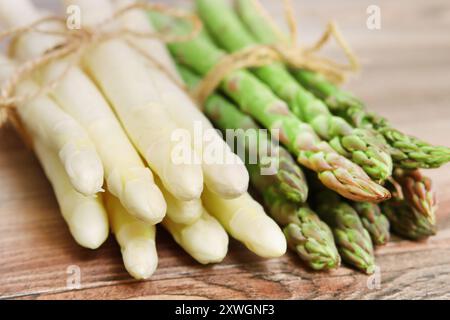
{"x": 74, "y": 45}
{"x": 286, "y": 51}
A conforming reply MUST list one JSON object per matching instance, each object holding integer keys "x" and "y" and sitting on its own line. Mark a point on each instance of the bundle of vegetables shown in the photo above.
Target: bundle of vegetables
{"x": 276, "y": 98}
{"x": 114, "y": 113}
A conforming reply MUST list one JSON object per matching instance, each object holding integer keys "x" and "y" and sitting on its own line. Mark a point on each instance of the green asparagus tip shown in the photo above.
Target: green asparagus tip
{"x": 291, "y": 178}
{"x": 352, "y": 239}
{"x": 311, "y": 239}
{"x": 313, "y": 254}
{"x": 408, "y": 222}
{"x": 373, "y": 221}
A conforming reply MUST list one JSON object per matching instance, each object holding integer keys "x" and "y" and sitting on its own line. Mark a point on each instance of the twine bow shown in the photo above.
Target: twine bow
{"x": 74, "y": 45}
{"x": 286, "y": 51}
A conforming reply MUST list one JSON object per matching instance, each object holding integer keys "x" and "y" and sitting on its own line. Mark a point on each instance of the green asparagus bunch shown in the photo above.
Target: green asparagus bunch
{"x": 256, "y": 99}
{"x": 286, "y": 175}
{"x": 373, "y": 221}
{"x": 352, "y": 239}
{"x": 359, "y": 145}
{"x": 408, "y": 217}
{"x": 305, "y": 233}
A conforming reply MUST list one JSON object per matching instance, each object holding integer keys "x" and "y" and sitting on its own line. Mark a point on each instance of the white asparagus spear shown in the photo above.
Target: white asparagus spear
{"x": 245, "y": 220}
{"x": 85, "y": 216}
{"x": 182, "y": 212}
{"x": 119, "y": 71}
{"x": 126, "y": 176}
{"x": 136, "y": 239}
{"x": 44, "y": 118}
{"x": 226, "y": 175}
{"x": 205, "y": 240}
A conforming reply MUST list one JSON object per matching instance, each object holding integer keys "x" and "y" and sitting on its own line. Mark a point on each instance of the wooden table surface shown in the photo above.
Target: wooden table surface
{"x": 406, "y": 77}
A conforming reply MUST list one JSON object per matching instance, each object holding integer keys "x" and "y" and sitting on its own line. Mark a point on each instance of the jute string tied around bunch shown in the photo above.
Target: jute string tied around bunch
{"x": 73, "y": 46}
{"x": 286, "y": 51}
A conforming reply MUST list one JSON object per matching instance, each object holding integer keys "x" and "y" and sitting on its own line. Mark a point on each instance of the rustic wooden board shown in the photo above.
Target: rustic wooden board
{"x": 406, "y": 77}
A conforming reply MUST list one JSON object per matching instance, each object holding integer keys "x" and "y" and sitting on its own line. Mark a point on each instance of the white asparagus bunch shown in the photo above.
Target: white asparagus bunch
{"x": 44, "y": 119}
{"x": 205, "y": 239}
{"x": 226, "y": 175}
{"x": 85, "y": 216}
{"x": 123, "y": 78}
{"x": 126, "y": 176}
{"x": 151, "y": 107}
{"x": 246, "y": 221}
{"x": 136, "y": 239}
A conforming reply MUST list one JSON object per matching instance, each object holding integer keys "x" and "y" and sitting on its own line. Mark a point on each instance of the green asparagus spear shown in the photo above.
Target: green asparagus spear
{"x": 353, "y": 241}
{"x": 287, "y": 176}
{"x": 407, "y": 152}
{"x": 373, "y": 221}
{"x": 305, "y": 233}
{"x": 359, "y": 145}
{"x": 417, "y": 190}
{"x": 407, "y": 221}
{"x": 256, "y": 99}
{"x": 340, "y": 102}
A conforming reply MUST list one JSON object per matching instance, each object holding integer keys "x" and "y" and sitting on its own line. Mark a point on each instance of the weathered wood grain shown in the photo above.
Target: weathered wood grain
{"x": 406, "y": 77}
